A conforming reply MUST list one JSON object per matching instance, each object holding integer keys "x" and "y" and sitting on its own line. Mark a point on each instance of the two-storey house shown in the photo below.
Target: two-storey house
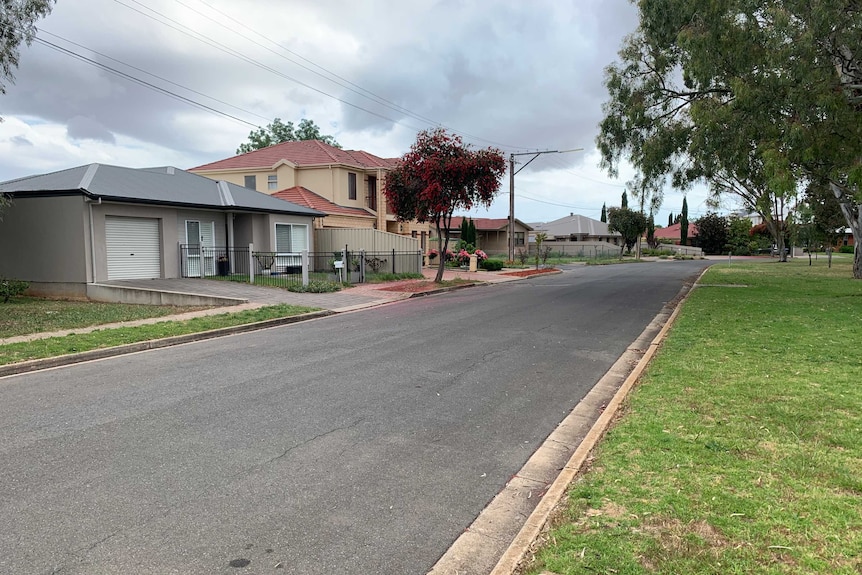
{"x": 346, "y": 185}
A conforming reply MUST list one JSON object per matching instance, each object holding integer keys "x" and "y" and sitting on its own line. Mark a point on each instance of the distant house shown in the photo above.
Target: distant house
{"x": 576, "y": 228}
{"x": 492, "y": 234}
{"x": 70, "y": 229}
{"x": 672, "y": 234}
{"x": 345, "y": 184}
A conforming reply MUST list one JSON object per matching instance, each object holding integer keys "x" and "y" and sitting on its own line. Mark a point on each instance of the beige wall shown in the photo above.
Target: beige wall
{"x": 344, "y": 222}
{"x": 45, "y": 241}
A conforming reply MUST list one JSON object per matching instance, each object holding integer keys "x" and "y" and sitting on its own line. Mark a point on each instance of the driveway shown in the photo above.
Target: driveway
{"x": 358, "y": 296}
{"x": 344, "y": 300}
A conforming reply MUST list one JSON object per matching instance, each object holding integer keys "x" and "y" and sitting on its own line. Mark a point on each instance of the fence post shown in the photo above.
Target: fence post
{"x": 393, "y": 261}
{"x": 420, "y": 260}
{"x": 344, "y": 262}
{"x": 305, "y": 267}
{"x": 361, "y": 266}
{"x": 251, "y": 264}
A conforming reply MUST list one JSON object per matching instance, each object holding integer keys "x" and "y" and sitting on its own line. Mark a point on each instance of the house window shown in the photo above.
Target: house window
{"x": 291, "y": 238}
{"x": 251, "y": 182}
{"x": 272, "y": 182}
{"x": 372, "y": 193}
{"x": 519, "y": 238}
{"x": 351, "y": 186}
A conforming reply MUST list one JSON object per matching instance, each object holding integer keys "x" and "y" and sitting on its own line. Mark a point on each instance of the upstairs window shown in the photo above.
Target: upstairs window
{"x": 251, "y": 182}
{"x": 351, "y": 186}
{"x": 272, "y": 182}
{"x": 372, "y": 193}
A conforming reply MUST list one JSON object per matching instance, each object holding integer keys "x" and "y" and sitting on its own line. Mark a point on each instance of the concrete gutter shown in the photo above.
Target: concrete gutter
{"x": 46, "y": 363}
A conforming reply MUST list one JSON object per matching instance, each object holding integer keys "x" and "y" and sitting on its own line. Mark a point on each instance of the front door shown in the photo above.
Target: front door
{"x": 200, "y": 255}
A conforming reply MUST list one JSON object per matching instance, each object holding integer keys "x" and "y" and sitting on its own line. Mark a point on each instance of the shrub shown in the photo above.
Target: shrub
{"x": 314, "y": 286}
{"x": 845, "y": 250}
{"x": 492, "y": 265}
{"x": 12, "y": 288}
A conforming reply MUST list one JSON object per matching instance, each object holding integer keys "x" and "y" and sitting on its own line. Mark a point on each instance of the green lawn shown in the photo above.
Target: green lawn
{"x": 26, "y": 315}
{"x": 741, "y": 449}
{"x": 99, "y": 339}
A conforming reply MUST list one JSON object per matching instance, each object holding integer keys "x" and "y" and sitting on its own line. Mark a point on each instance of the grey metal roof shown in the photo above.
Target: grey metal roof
{"x": 165, "y": 185}
{"x": 574, "y": 224}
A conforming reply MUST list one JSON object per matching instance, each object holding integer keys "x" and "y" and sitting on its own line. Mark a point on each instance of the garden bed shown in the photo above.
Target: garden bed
{"x": 533, "y": 272}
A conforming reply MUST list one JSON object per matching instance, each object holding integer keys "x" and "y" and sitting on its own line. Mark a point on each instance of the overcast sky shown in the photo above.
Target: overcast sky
{"x": 519, "y": 75}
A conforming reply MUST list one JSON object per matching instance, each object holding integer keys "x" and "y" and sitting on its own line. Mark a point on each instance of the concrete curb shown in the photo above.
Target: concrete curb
{"x": 499, "y": 539}
{"x": 524, "y": 542}
{"x": 58, "y": 361}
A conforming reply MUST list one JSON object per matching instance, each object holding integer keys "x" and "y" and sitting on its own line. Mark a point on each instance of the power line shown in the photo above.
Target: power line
{"x": 371, "y": 95}
{"x": 173, "y": 24}
{"x": 562, "y": 167}
{"x": 343, "y": 82}
{"x": 171, "y": 82}
{"x": 140, "y": 81}
{"x": 218, "y": 46}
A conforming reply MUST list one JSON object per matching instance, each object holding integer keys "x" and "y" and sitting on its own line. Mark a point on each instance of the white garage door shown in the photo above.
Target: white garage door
{"x": 133, "y": 248}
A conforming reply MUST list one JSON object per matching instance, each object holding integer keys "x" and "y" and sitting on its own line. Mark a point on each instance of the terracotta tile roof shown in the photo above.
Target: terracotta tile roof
{"x": 488, "y": 224}
{"x": 302, "y": 153}
{"x": 305, "y": 197}
{"x": 672, "y": 232}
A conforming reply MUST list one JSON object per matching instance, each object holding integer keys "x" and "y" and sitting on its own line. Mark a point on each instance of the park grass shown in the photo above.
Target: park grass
{"x": 26, "y": 315}
{"x": 110, "y": 337}
{"x": 741, "y": 449}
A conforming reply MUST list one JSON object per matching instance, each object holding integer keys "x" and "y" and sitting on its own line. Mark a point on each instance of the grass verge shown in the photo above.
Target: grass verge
{"x": 741, "y": 449}
{"x": 99, "y": 339}
{"x": 26, "y": 315}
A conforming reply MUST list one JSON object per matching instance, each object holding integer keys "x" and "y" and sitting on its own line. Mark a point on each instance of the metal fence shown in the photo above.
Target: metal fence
{"x": 244, "y": 264}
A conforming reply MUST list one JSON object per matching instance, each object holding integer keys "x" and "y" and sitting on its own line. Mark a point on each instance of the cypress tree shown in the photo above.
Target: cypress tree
{"x": 604, "y": 217}
{"x": 683, "y": 223}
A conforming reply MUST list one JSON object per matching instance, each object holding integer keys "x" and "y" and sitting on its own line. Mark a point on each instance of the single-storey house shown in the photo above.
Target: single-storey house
{"x": 73, "y": 228}
{"x": 492, "y": 234}
{"x": 672, "y": 234}
{"x": 576, "y": 228}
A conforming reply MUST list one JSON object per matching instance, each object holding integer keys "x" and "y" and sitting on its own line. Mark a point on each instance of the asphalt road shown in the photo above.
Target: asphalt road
{"x": 359, "y": 443}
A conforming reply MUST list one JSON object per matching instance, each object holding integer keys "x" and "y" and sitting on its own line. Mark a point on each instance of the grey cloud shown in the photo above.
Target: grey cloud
{"x": 525, "y": 75}
{"x": 21, "y": 141}
{"x": 83, "y": 128}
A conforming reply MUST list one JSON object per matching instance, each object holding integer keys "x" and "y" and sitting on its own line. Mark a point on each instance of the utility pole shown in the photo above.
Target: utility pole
{"x": 512, "y": 173}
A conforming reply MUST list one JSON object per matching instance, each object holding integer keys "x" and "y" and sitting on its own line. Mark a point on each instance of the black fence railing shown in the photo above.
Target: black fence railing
{"x": 282, "y": 269}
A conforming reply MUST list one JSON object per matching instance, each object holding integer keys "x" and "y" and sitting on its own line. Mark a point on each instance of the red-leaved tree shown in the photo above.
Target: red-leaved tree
{"x": 439, "y": 175}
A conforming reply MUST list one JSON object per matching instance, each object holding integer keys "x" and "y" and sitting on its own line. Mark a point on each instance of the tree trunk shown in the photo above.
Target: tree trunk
{"x": 853, "y": 215}
{"x": 444, "y": 245}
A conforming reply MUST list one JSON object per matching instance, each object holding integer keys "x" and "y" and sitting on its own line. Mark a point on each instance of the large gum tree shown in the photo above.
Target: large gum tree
{"x": 438, "y": 176}
{"x": 755, "y": 98}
